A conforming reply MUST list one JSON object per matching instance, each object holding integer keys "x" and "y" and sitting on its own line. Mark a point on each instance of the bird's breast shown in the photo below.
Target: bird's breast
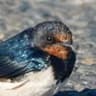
{"x": 36, "y": 84}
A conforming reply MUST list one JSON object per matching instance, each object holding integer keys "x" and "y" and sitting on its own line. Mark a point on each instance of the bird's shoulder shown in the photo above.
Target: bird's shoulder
{"x": 18, "y": 57}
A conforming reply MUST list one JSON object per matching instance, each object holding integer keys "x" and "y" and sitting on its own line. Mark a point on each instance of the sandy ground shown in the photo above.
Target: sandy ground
{"x": 79, "y": 15}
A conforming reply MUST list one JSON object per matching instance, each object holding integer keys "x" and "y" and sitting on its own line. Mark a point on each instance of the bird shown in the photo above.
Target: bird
{"x": 35, "y": 61}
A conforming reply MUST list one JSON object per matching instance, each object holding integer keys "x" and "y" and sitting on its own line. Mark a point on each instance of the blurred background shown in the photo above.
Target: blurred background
{"x": 78, "y": 15}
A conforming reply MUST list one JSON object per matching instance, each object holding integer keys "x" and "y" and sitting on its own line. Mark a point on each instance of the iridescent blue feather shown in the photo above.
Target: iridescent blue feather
{"x": 18, "y": 57}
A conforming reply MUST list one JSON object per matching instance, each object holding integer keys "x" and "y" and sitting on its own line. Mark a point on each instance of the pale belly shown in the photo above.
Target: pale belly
{"x": 36, "y": 84}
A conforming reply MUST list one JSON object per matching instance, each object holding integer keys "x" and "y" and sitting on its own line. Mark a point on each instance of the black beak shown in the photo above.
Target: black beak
{"x": 68, "y": 42}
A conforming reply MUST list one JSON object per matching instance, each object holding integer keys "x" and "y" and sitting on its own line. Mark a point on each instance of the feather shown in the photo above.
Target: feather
{"x": 18, "y": 57}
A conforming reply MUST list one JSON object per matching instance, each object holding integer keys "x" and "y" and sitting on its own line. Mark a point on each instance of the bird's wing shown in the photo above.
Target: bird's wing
{"x": 18, "y": 57}
{"x": 12, "y": 64}
{"x": 9, "y": 68}
{"x": 10, "y": 50}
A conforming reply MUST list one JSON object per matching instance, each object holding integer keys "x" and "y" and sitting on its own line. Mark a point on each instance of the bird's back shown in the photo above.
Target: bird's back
{"x": 18, "y": 57}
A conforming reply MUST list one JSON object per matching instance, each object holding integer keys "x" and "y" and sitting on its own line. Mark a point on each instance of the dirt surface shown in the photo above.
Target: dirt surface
{"x": 79, "y": 15}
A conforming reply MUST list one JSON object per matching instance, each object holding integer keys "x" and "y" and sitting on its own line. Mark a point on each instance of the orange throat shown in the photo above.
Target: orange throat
{"x": 61, "y": 52}
{"x": 57, "y": 50}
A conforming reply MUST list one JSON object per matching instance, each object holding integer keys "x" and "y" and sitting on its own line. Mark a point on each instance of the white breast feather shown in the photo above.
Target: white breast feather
{"x": 35, "y": 84}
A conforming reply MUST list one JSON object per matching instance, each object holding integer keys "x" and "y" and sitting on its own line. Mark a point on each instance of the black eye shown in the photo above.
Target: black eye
{"x": 49, "y": 38}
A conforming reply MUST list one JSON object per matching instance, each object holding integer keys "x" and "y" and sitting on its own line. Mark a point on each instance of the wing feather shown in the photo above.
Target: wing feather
{"x": 9, "y": 68}
{"x": 18, "y": 57}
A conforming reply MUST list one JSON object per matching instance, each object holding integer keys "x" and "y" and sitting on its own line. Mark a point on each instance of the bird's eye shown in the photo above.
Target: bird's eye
{"x": 49, "y": 38}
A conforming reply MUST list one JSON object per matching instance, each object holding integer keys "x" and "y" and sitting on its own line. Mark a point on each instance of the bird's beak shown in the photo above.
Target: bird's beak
{"x": 69, "y": 44}
{"x": 65, "y": 42}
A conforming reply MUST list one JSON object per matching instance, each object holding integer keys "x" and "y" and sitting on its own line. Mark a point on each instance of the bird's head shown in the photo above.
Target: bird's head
{"x": 55, "y": 38}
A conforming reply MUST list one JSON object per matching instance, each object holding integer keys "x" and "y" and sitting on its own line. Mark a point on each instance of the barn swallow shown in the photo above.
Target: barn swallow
{"x": 41, "y": 56}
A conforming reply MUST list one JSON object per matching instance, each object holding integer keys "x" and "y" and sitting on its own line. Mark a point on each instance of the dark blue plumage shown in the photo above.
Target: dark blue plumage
{"x": 17, "y": 56}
